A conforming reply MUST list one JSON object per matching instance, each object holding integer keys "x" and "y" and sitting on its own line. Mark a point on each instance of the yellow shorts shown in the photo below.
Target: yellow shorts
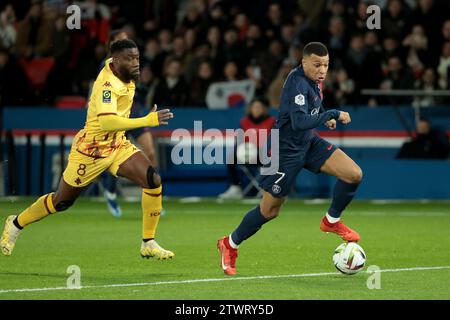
{"x": 82, "y": 170}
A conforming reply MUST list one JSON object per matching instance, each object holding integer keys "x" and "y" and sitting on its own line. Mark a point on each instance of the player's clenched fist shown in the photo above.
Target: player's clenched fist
{"x": 344, "y": 117}
{"x": 331, "y": 124}
{"x": 161, "y": 116}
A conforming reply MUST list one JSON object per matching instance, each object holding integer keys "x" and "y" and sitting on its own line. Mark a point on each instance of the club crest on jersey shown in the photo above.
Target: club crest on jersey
{"x": 106, "y": 96}
{"x": 276, "y": 189}
{"x": 300, "y": 99}
{"x": 314, "y": 111}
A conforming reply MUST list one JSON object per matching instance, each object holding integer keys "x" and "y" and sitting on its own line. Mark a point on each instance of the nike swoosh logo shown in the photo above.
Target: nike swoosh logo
{"x": 329, "y": 148}
{"x": 224, "y": 266}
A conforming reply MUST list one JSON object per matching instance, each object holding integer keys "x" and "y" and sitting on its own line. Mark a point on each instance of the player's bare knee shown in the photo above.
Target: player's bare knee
{"x": 355, "y": 175}
{"x": 271, "y": 212}
{"x": 153, "y": 178}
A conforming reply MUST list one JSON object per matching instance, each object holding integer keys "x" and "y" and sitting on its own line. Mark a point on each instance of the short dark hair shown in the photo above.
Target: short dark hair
{"x": 317, "y": 48}
{"x": 120, "y": 45}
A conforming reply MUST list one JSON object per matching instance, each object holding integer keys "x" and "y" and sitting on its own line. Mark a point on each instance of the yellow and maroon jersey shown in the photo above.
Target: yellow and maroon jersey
{"x": 109, "y": 96}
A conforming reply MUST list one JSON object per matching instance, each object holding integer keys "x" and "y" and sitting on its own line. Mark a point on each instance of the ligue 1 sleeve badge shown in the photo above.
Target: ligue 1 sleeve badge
{"x": 106, "y": 96}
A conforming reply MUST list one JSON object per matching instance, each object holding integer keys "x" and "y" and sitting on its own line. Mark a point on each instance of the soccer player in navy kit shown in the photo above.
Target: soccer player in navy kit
{"x": 300, "y": 147}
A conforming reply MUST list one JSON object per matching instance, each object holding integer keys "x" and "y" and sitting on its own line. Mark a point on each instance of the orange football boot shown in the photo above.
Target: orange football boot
{"x": 340, "y": 229}
{"x": 228, "y": 256}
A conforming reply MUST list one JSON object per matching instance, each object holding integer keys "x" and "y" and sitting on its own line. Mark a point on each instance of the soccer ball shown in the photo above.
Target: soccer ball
{"x": 349, "y": 258}
{"x": 247, "y": 153}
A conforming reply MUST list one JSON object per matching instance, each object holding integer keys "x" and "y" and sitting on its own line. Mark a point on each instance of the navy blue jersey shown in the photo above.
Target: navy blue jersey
{"x": 300, "y": 112}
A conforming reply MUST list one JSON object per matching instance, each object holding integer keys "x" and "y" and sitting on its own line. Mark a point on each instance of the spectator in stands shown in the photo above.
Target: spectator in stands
{"x": 241, "y": 24}
{"x": 190, "y": 40}
{"x": 153, "y": 56}
{"x": 257, "y": 118}
{"x": 14, "y": 88}
{"x": 217, "y": 17}
{"x": 214, "y": 38}
{"x": 372, "y": 43}
{"x": 443, "y": 68}
{"x": 390, "y": 48}
{"x": 276, "y": 86}
{"x": 165, "y": 41}
{"x": 7, "y": 29}
{"x": 371, "y": 73}
{"x": 397, "y": 77}
{"x": 428, "y": 82}
{"x": 200, "y": 84}
{"x": 231, "y": 71}
{"x": 337, "y": 40}
{"x": 192, "y": 19}
{"x": 429, "y": 143}
{"x": 62, "y": 54}
{"x": 146, "y": 87}
{"x": 430, "y": 15}
{"x": 221, "y": 31}
{"x": 356, "y": 57}
{"x": 34, "y": 33}
{"x": 360, "y": 18}
{"x": 288, "y": 34}
{"x": 179, "y": 51}
{"x": 232, "y": 50}
{"x": 337, "y": 8}
{"x": 254, "y": 72}
{"x": 201, "y": 53}
{"x": 344, "y": 88}
{"x": 272, "y": 27}
{"x": 271, "y": 61}
{"x": 416, "y": 44}
{"x": 172, "y": 90}
{"x": 394, "y": 19}
{"x": 91, "y": 9}
{"x": 253, "y": 45}
{"x": 446, "y": 30}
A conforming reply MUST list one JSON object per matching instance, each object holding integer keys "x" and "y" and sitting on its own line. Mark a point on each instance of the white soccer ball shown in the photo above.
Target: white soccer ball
{"x": 247, "y": 153}
{"x": 349, "y": 258}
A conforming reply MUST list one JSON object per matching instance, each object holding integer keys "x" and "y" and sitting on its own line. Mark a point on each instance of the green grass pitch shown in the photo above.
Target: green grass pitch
{"x": 395, "y": 236}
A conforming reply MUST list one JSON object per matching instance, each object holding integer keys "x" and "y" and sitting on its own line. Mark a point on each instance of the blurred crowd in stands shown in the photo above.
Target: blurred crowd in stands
{"x": 187, "y": 45}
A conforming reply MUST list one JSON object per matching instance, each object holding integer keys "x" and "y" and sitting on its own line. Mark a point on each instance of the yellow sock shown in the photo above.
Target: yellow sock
{"x": 37, "y": 211}
{"x": 151, "y": 210}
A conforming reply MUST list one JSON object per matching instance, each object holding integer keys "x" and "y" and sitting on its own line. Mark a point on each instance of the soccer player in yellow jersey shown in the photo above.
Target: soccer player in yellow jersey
{"x": 101, "y": 145}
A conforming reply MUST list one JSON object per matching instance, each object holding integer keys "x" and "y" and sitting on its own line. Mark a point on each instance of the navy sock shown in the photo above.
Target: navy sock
{"x": 342, "y": 195}
{"x": 251, "y": 223}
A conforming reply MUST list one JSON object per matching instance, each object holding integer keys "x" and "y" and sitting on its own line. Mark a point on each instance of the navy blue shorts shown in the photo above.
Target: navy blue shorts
{"x": 316, "y": 153}
{"x": 137, "y": 111}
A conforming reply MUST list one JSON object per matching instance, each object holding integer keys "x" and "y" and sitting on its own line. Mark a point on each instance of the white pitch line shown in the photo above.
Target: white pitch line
{"x": 141, "y": 284}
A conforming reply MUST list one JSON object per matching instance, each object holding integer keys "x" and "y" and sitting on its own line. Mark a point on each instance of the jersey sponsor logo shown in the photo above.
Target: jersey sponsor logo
{"x": 276, "y": 189}
{"x": 106, "y": 96}
{"x": 107, "y": 84}
{"x": 300, "y": 99}
{"x": 314, "y": 111}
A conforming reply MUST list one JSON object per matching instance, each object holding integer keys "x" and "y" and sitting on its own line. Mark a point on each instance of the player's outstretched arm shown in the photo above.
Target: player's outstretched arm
{"x": 155, "y": 118}
{"x": 303, "y": 121}
{"x": 344, "y": 117}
